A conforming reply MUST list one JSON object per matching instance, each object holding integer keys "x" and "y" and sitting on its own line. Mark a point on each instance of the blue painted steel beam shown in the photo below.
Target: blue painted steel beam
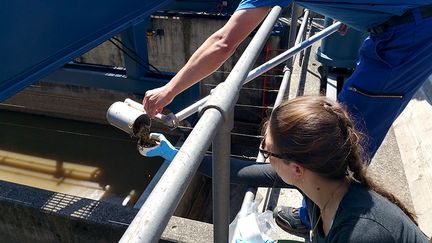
{"x": 116, "y": 79}
{"x": 135, "y": 38}
{"x": 103, "y": 77}
{"x": 39, "y": 37}
{"x": 209, "y": 6}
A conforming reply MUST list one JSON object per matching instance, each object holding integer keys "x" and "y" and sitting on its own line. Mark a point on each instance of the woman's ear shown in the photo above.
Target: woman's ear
{"x": 297, "y": 170}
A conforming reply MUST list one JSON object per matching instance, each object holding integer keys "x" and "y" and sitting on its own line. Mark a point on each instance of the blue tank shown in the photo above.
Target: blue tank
{"x": 338, "y": 50}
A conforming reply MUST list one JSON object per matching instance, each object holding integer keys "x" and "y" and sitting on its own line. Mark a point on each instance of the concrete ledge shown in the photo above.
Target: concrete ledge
{"x": 186, "y": 230}
{"x": 31, "y": 214}
{"x": 413, "y": 131}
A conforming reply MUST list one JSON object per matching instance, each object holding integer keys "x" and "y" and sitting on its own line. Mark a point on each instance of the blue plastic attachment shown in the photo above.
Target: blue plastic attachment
{"x": 164, "y": 149}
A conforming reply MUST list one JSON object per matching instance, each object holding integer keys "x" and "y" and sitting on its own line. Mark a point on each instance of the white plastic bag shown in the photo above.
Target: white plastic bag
{"x": 253, "y": 227}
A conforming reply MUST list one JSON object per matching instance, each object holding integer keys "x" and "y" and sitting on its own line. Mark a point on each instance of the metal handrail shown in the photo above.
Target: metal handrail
{"x": 154, "y": 215}
{"x": 192, "y": 109}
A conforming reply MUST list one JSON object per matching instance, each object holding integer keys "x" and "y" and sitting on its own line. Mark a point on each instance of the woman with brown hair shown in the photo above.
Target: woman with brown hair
{"x": 312, "y": 144}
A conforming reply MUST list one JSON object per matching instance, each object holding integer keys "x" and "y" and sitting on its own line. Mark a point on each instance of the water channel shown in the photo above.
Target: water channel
{"x": 83, "y": 159}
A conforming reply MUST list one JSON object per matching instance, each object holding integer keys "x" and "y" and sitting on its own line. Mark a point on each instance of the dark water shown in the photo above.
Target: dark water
{"x": 102, "y": 146}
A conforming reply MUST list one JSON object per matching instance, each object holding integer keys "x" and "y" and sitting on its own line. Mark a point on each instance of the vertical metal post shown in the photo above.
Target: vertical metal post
{"x": 135, "y": 38}
{"x": 295, "y": 14}
{"x": 283, "y": 93}
{"x": 221, "y": 179}
{"x": 302, "y": 31}
{"x": 286, "y": 80}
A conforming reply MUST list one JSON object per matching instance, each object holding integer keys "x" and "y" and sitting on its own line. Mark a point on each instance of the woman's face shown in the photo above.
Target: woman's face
{"x": 284, "y": 168}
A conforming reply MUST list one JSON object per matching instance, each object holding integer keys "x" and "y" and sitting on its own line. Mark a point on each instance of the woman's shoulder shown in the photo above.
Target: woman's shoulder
{"x": 361, "y": 198}
{"x": 365, "y": 229}
{"x": 364, "y": 210}
{"x": 362, "y": 202}
{"x": 353, "y": 230}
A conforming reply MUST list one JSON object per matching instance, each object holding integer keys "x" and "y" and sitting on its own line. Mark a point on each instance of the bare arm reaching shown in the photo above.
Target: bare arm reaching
{"x": 207, "y": 58}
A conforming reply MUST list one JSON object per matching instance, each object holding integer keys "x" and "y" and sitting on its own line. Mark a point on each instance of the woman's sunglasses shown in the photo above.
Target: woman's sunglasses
{"x": 266, "y": 154}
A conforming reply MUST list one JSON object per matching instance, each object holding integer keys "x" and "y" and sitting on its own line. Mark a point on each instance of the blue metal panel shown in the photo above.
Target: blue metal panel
{"x": 104, "y": 78}
{"x": 41, "y": 36}
{"x": 135, "y": 38}
{"x": 116, "y": 79}
{"x": 209, "y": 6}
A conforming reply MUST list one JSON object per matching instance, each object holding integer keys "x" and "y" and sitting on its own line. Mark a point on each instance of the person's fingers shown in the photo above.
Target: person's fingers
{"x": 158, "y": 110}
{"x": 146, "y": 95}
{"x": 343, "y": 29}
{"x": 146, "y": 102}
{"x": 154, "y": 101}
{"x": 151, "y": 108}
{"x": 149, "y": 103}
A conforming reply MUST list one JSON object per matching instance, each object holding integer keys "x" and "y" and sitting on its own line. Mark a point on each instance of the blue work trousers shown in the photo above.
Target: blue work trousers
{"x": 392, "y": 66}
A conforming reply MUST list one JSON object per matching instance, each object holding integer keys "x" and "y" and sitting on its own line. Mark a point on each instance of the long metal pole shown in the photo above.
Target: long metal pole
{"x": 272, "y": 194}
{"x": 292, "y": 51}
{"x": 153, "y": 217}
{"x": 283, "y": 92}
{"x": 303, "y": 26}
{"x": 302, "y": 30}
{"x": 183, "y": 114}
{"x": 295, "y": 14}
{"x": 221, "y": 179}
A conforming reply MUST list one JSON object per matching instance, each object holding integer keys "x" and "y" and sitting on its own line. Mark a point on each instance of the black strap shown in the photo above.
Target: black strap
{"x": 407, "y": 17}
